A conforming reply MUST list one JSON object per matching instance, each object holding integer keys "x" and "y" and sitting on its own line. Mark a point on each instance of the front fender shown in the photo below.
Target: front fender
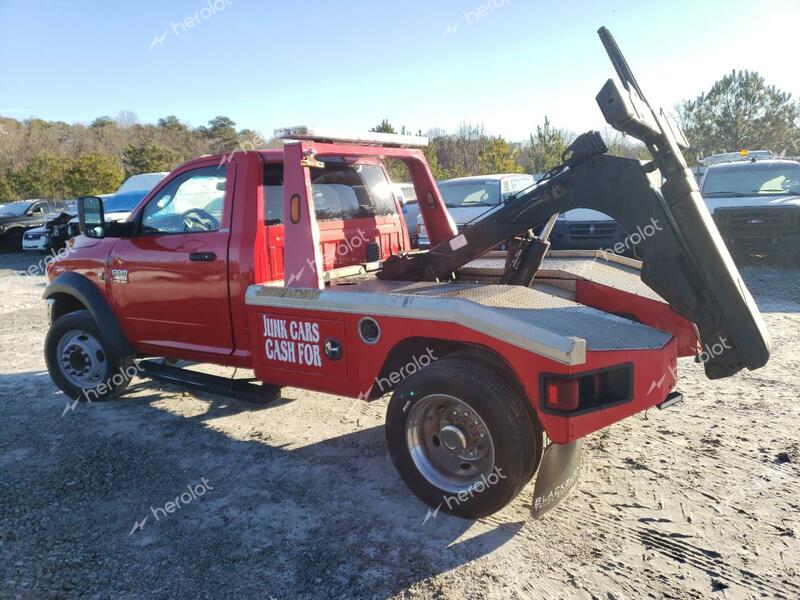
{"x": 78, "y": 287}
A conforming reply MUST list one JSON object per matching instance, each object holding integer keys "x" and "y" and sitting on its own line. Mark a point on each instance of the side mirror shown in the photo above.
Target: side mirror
{"x": 91, "y": 217}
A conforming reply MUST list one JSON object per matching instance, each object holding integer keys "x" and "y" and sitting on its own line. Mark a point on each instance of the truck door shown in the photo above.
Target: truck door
{"x": 169, "y": 282}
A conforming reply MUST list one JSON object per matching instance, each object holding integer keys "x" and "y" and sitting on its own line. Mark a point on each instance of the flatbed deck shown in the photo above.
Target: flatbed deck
{"x": 542, "y": 318}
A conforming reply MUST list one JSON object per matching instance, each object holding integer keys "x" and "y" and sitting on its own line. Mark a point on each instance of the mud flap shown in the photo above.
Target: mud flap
{"x": 557, "y": 475}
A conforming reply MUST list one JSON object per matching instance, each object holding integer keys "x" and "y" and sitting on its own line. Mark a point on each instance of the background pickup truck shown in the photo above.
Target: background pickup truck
{"x": 18, "y": 217}
{"x": 755, "y": 201}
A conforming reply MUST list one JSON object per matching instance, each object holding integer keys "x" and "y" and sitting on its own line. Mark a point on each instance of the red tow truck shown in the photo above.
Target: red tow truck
{"x": 294, "y": 263}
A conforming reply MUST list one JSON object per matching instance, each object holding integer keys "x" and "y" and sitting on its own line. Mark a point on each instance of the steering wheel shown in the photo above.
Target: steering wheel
{"x": 197, "y": 216}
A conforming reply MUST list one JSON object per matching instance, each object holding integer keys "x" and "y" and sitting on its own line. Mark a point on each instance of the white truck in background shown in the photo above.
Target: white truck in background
{"x": 754, "y": 198}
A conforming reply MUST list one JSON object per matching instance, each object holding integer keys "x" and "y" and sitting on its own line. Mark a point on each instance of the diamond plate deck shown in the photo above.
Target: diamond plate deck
{"x": 602, "y": 271}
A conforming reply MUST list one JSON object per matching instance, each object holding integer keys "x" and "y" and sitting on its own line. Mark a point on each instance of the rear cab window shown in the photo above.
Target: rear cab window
{"x": 341, "y": 191}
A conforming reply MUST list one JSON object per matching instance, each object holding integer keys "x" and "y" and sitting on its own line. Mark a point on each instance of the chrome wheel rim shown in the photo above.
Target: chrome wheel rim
{"x": 81, "y": 359}
{"x": 449, "y": 443}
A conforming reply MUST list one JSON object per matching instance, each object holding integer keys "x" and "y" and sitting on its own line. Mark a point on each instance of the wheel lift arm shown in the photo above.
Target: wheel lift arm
{"x": 684, "y": 258}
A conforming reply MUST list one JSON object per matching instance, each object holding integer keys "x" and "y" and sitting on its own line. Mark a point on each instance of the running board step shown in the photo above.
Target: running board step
{"x": 238, "y": 389}
{"x": 671, "y": 400}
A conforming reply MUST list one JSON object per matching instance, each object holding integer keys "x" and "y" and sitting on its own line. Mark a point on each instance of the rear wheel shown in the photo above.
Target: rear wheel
{"x": 462, "y": 438}
{"x": 81, "y": 361}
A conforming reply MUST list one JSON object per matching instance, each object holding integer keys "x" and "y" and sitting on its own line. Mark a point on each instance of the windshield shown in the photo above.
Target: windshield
{"x": 14, "y": 209}
{"x": 123, "y": 202}
{"x": 752, "y": 180}
{"x": 470, "y": 193}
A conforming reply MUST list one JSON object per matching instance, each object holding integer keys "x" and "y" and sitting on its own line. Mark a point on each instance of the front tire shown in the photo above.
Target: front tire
{"x": 82, "y": 362}
{"x": 462, "y": 438}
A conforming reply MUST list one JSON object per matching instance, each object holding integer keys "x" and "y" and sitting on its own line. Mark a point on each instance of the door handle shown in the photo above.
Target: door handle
{"x": 202, "y": 257}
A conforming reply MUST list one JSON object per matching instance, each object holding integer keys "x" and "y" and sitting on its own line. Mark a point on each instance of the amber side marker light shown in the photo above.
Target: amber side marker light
{"x": 294, "y": 209}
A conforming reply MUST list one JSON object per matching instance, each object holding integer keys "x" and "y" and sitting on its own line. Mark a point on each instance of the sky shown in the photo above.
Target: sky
{"x": 503, "y": 63}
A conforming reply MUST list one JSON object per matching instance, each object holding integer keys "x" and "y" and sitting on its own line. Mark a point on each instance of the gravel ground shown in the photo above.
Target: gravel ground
{"x": 300, "y": 499}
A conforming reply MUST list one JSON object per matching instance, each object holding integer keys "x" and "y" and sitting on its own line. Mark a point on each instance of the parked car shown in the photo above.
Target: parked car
{"x": 141, "y": 182}
{"x": 468, "y": 198}
{"x": 18, "y": 217}
{"x": 587, "y": 229}
{"x": 754, "y": 199}
{"x": 408, "y": 201}
{"x": 41, "y": 239}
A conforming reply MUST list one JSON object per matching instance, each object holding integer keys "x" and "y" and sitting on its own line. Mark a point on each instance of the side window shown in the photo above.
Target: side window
{"x": 505, "y": 189}
{"x": 40, "y": 208}
{"x": 521, "y": 183}
{"x": 379, "y": 189}
{"x": 190, "y": 203}
{"x": 273, "y": 193}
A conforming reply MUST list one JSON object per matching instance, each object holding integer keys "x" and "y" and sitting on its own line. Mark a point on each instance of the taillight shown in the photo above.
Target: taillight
{"x": 563, "y": 394}
{"x": 583, "y": 392}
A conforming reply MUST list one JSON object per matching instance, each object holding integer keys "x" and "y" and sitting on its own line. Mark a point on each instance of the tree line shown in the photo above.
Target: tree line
{"x": 58, "y": 160}
{"x": 53, "y": 159}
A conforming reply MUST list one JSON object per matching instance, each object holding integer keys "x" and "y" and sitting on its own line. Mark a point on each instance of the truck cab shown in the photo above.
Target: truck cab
{"x": 219, "y": 219}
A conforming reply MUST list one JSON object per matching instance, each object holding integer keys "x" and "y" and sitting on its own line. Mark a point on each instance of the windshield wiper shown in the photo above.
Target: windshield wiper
{"x": 779, "y": 192}
{"x": 727, "y": 194}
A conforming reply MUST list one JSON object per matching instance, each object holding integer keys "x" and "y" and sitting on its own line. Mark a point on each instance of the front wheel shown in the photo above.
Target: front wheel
{"x": 81, "y": 361}
{"x": 462, "y": 438}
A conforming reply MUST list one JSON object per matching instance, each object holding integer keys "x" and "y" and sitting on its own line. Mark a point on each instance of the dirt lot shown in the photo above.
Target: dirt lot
{"x": 300, "y": 499}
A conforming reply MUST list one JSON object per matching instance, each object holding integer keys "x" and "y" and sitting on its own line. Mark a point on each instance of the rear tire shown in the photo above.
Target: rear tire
{"x": 82, "y": 362}
{"x": 462, "y": 438}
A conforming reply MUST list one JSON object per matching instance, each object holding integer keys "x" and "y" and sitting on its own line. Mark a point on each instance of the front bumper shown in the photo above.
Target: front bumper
{"x": 34, "y": 242}
{"x": 766, "y": 231}
{"x": 423, "y": 243}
